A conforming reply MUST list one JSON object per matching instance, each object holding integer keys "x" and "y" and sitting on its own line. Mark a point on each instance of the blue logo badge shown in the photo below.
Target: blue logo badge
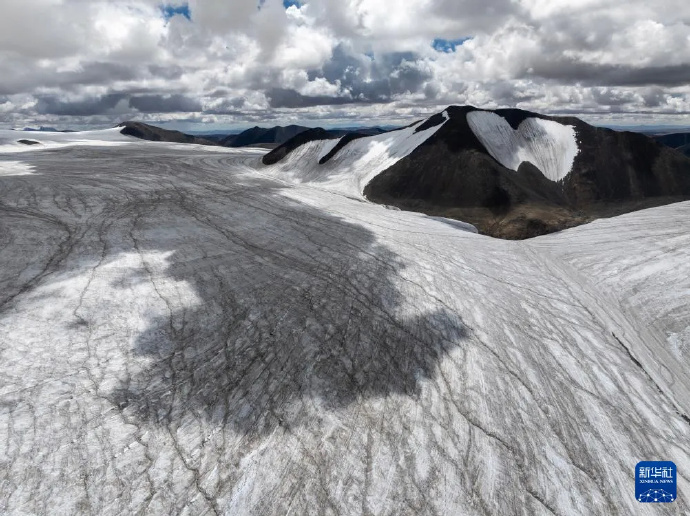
{"x": 655, "y": 482}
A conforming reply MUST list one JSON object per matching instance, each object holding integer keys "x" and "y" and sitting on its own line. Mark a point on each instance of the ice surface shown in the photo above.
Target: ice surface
{"x": 9, "y": 139}
{"x": 639, "y": 262}
{"x": 15, "y": 168}
{"x": 548, "y": 145}
{"x": 680, "y": 342}
{"x": 181, "y": 334}
{"x": 354, "y": 166}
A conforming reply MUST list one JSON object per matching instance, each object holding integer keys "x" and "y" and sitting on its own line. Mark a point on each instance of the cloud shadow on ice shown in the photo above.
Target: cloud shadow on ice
{"x": 298, "y": 308}
{"x": 295, "y": 312}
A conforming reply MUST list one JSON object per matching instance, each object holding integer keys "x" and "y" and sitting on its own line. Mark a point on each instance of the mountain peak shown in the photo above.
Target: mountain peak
{"x": 510, "y": 172}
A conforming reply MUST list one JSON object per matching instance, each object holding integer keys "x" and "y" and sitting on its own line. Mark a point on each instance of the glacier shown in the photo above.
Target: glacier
{"x": 184, "y": 330}
{"x": 10, "y": 139}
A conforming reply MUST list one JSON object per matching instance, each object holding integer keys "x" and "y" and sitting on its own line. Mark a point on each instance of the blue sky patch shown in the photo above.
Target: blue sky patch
{"x": 169, "y": 11}
{"x": 290, "y": 3}
{"x": 448, "y": 45}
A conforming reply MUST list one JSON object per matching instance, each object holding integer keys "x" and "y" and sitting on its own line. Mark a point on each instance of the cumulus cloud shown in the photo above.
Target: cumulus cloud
{"x": 284, "y": 98}
{"x": 93, "y": 62}
{"x": 52, "y": 105}
{"x": 165, "y": 104}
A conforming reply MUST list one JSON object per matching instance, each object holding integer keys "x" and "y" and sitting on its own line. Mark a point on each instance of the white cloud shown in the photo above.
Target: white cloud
{"x": 95, "y": 56}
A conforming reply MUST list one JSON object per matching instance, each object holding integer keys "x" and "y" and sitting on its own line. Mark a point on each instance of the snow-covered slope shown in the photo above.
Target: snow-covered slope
{"x": 351, "y": 169}
{"x": 548, "y": 145}
{"x": 181, "y": 334}
{"x": 10, "y": 140}
{"x": 635, "y": 274}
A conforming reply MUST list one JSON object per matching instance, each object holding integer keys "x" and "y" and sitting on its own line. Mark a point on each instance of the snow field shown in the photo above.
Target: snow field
{"x": 180, "y": 333}
{"x": 548, "y": 145}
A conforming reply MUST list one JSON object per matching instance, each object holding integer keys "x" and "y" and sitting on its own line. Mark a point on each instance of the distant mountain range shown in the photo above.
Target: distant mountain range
{"x": 512, "y": 173}
{"x": 43, "y": 129}
{"x": 261, "y": 135}
{"x": 156, "y": 134}
{"x": 255, "y": 137}
{"x": 678, "y": 141}
{"x": 275, "y": 136}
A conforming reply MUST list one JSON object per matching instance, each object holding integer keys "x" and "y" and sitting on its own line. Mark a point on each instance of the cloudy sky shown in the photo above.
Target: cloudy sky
{"x": 236, "y": 63}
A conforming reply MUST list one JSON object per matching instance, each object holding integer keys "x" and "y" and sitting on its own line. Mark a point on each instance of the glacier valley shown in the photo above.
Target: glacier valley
{"x": 186, "y": 330}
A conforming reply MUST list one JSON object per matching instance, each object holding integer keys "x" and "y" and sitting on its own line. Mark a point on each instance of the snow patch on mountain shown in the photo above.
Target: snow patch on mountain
{"x": 328, "y": 147}
{"x": 548, "y": 145}
{"x": 355, "y": 165}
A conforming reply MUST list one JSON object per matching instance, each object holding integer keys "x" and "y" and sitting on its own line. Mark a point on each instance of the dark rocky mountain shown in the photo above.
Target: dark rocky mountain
{"x": 257, "y": 135}
{"x": 212, "y": 137}
{"x": 268, "y": 138}
{"x": 678, "y": 141}
{"x": 318, "y": 133}
{"x": 454, "y": 174}
{"x": 276, "y": 136}
{"x": 156, "y": 134}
